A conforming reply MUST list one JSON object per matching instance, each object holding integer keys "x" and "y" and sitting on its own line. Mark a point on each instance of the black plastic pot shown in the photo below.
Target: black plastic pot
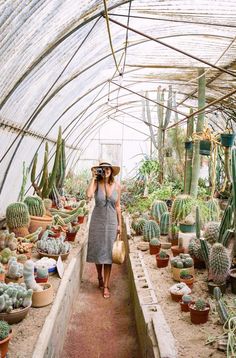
{"x": 232, "y": 275}
{"x": 211, "y": 285}
{"x": 188, "y": 145}
{"x": 227, "y": 139}
{"x": 205, "y": 147}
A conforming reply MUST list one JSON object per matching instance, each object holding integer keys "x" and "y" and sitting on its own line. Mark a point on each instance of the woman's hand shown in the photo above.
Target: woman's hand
{"x": 119, "y": 231}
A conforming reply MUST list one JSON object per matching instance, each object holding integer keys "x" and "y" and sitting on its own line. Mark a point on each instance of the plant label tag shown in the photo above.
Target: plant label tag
{"x": 60, "y": 267}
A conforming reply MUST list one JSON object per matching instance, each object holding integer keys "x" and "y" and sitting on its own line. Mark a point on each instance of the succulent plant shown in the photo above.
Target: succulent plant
{"x": 182, "y": 261}
{"x": 35, "y": 205}
{"x": 158, "y": 208}
{"x": 155, "y": 241}
{"x": 5, "y": 329}
{"x": 219, "y": 263}
{"x": 211, "y": 232}
{"x": 200, "y": 304}
{"x": 53, "y": 246}
{"x": 29, "y": 276}
{"x": 181, "y": 207}
{"x": 163, "y": 254}
{"x": 17, "y": 215}
{"x": 14, "y": 268}
{"x": 138, "y": 226}
{"x": 186, "y": 298}
{"x": 165, "y": 223}
{"x": 13, "y": 296}
{"x": 151, "y": 229}
{"x": 214, "y": 210}
{"x": 42, "y": 272}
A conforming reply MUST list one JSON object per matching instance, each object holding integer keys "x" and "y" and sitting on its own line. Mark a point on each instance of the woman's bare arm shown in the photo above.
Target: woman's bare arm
{"x": 92, "y": 186}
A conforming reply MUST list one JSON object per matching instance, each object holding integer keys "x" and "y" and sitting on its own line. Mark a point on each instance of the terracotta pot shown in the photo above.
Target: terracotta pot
{"x": 189, "y": 281}
{"x": 68, "y": 207}
{"x": 14, "y": 280}
{"x": 176, "y": 250}
{"x": 176, "y": 297}
{"x": 80, "y": 219}
{"x": 176, "y": 272}
{"x": 20, "y": 231}
{"x": 184, "y": 306}
{"x": 162, "y": 262}
{"x": 2, "y": 277}
{"x": 39, "y": 221}
{"x": 4, "y": 345}
{"x": 154, "y": 249}
{"x": 198, "y": 317}
{"x": 56, "y": 233}
{"x": 70, "y": 236}
{"x": 14, "y": 316}
{"x": 43, "y": 298}
{"x": 41, "y": 280}
{"x": 44, "y": 254}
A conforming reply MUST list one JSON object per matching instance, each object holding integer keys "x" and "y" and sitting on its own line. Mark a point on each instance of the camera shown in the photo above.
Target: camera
{"x": 100, "y": 173}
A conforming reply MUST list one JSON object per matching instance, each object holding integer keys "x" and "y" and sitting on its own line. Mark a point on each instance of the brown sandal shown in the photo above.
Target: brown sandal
{"x": 107, "y": 293}
{"x": 100, "y": 282}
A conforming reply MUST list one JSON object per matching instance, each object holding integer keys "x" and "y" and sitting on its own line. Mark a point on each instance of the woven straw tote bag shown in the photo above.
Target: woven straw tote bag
{"x": 118, "y": 251}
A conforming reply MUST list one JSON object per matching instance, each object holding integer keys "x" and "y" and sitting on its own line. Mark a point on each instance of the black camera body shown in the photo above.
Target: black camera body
{"x": 100, "y": 173}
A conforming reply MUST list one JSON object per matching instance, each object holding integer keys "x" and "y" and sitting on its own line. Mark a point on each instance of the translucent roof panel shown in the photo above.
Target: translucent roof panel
{"x": 63, "y": 64}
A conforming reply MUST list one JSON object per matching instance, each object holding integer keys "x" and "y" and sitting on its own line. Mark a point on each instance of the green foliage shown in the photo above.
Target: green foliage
{"x": 35, "y": 205}
{"x": 4, "y": 330}
{"x": 158, "y": 208}
{"x": 76, "y": 184}
{"x": 149, "y": 166}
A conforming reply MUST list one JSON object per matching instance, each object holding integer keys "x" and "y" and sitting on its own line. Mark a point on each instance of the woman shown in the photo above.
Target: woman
{"x": 105, "y": 222}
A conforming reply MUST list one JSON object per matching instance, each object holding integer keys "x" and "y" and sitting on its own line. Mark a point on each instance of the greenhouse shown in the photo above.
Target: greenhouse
{"x": 117, "y": 178}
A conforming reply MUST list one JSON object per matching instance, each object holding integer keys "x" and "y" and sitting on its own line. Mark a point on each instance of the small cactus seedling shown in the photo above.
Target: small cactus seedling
{"x": 186, "y": 299}
{"x": 200, "y": 305}
{"x": 163, "y": 255}
{"x": 155, "y": 241}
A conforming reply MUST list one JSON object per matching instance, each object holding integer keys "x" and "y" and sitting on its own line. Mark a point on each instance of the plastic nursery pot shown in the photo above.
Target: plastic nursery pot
{"x": 232, "y": 275}
{"x": 4, "y": 345}
{"x": 187, "y": 227}
{"x": 43, "y": 298}
{"x": 227, "y": 139}
{"x": 189, "y": 279}
{"x": 80, "y": 219}
{"x": 162, "y": 262}
{"x": 205, "y": 147}
{"x": 198, "y": 317}
{"x": 188, "y": 145}
{"x": 184, "y": 306}
{"x": 176, "y": 250}
{"x": 177, "y": 271}
{"x": 41, "y": 280}
{"x": 211, "y": 285}
{"x": 176, "y": 296}
{"x": 154, "y": 249}
{"x": 70, "y": 236}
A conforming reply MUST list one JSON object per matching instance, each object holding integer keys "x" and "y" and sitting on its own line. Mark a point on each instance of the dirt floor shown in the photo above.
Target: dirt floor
{"x": 190, "y": 338}
{"x": 25, "y": 333}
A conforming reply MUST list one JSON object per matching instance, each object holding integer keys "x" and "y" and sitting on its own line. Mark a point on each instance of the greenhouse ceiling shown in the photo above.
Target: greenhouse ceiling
{"x": 77, "y": 63}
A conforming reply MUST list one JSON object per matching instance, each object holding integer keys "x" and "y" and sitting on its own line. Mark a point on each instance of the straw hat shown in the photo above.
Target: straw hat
{"x": 115, "y": 169}
{"x": 118, "y": 252}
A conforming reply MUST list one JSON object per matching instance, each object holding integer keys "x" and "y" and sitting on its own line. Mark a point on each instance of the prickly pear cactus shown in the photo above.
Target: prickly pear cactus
{"x": 211, "y": 232}
{"x": 219, "y": 263}
{"x": 151, "y": 229}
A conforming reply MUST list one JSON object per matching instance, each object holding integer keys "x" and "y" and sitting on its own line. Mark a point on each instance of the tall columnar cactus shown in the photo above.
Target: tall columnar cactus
{"x": 165, "y": 223}
{"x": 188, "y": 156}
{"x": 219, "y": 263}
{"x": 233, "y": 171}
{"x": 17, "y": 215}
{"x": 211, "y": 232}
{"x": 225, "y": 222}
{"x": 62, "y": 168}
{"x": 205, "y": 251}
{"x": 220, "y": 305}
{"x": 197, "y": 223}
{"x": 158, "y": 208}
{"x": 181, "y": 207}
{"x": 151, "y": 229}
{"x": 214, "y": 210}
{"x": 29, "y": 279}
{"x": 35, "y": 205}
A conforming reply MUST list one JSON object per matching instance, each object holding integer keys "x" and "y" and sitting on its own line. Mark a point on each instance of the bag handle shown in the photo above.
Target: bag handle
{"x": 118, "y": 237}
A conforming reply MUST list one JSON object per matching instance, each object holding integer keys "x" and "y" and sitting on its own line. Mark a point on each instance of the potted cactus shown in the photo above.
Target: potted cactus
{"x": 199, "y": 311}
{"x": 178, "y": 249}
{"x": 38, "y": 217}
{"x": 178, "y": 290}
{"x": 162, "y": 259}
{"x": 41, "y": 274}
{"x": 184, "y": 303}
{"x": 188, "y": 224}
{"x": 187, "y": 278}
{"x": 151, "y": 230}
{"x": 72, "y": 232}
{"x": 154, "y": 246}
{"x": 18, "y": 219}
{"x": 181, "y": 263}
{"x": 5, "y": 336}
{"x": 219, "y": 265}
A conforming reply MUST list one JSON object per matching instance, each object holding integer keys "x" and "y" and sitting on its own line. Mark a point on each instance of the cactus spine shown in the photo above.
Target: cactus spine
{"x": 220, "y": 305}
{"x": 219, "y": 263}
{"x": 151, "y": 229}
{"x": 17, "y": 215}
{"x": 35, "y": 205}
{"x": 165, "y": 223}
{"x": 214, "y": 210}
{"x": 212, "y": 231}
{"x": 4, "y": 330}
{"x": 182, "y": 206}
{"x": 158, "y": 208}
{"x": 139, "y": 225}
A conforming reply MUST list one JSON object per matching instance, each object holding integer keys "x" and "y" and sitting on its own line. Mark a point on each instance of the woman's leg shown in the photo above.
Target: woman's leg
{"x": 100, "y": 279}
{"x": 107, "y": 273}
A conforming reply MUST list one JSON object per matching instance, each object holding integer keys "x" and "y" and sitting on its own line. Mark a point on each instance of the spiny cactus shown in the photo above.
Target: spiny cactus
{"x": 219, "y": 263}
{"x": 29, "y": 276}
{"x": 186, "y": 298}
{"x": 200, "y": 304}
{"x": 158, "y": 208}
{"x": 4, "y": 330}
{"x": 214, "y": 210}
{"x": 225, "y": 222}
{"x": 195, "y": 250}
{"x": 138, "y": 226}
{"x": 155, "y": 242}
{"x": 151, "y": 229}
{"x": 211, "y": 232}
{"x": 35, "y": 205}
{"x": 181, "y": 207}
{"x": 220, "y": 305}
{"x": 165, "y": 223}
{"x": 163, "y": 255}
{"x": 17, "y": 215}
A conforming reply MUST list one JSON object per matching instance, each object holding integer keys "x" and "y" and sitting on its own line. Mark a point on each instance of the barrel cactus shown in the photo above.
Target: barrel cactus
{"x": 195, "y": 249}
{"x": 211, "y": 232}
{"x": 35, "y": 205}
{"x": 151, "y": 229}
{"x": 214, "y": 210}
{"x": 219, "y": 263}
{"x": 17, "y": 215}
{"x": 165, "y": 223}
{"x": 181, "y": 207}
{"x": 138, "y": 226}
{"x": 4, "y": 330}
{"x": 155, "y": 241}
{"x": 158, "y": 208}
